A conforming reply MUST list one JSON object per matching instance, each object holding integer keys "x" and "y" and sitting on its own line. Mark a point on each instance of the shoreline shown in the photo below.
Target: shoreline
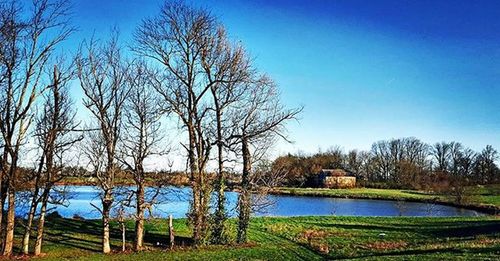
{"x": 486, "y": 209}
{"x": 321, "y": 192}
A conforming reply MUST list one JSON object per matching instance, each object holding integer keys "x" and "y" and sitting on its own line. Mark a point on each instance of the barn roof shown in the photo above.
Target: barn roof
{"x": 334, "y": 172}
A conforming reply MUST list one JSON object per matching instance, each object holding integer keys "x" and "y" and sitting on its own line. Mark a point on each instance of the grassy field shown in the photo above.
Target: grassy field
{"x": 486, "y": 196}
{"x": 298, "y": 238}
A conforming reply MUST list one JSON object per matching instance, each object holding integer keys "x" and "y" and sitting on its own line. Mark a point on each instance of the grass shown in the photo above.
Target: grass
{"x": 481, "y": 196}
{"x": 297, "y": 238}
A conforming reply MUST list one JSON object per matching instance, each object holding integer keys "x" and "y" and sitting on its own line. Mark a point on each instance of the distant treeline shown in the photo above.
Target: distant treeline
{"x": 397, "y": 163}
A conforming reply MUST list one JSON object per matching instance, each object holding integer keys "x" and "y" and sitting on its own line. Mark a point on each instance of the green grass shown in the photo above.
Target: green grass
{"x": 297, "y": 238}
{"x": 488, "y": 196}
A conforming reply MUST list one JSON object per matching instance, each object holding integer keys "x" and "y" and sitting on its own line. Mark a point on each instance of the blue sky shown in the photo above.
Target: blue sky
{"x": 363, "y": 70}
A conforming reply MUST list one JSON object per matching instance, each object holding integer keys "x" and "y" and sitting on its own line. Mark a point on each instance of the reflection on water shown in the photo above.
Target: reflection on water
{"x": 175, "y": 201}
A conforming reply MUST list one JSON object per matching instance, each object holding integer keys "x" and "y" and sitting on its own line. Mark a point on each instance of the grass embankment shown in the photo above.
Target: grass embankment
{"x": 297, "y": 238}
{"x": 486, "y": 198}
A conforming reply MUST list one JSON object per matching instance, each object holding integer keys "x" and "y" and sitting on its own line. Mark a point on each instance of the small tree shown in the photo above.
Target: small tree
{"x": 140, "y": 140}
{"x": 258, "y": 121}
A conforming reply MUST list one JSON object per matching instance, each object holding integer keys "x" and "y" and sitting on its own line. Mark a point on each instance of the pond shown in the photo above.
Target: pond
{"x": 175, "y": 201}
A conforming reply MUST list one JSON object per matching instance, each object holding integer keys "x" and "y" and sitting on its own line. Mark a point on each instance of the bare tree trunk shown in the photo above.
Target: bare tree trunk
{"x": 2, "y": 204}
{"x": 171, "y": 235}
{"x": 244, "y": 196}
{"x": 139, "y": 222}
{"x": 31, "y": 213}
{"x": 10, "y": 222}
{"x": 3, "y": 220}
{"x": 41, "y": 224}
{"x": 27, "y": 231}
{"x": 123, "y": 235}
{"x": 106, "y": 208}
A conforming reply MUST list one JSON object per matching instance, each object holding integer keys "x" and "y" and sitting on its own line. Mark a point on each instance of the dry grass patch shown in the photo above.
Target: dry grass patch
{"x": 386, "y": 245}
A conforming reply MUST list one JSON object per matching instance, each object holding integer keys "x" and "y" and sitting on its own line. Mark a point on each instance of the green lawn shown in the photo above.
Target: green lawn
{"x": 477, "y": 196}
{"x": 298, "y": 238}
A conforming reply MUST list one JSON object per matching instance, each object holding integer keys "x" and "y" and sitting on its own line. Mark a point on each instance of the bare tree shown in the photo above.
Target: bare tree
{"x": 381, "y": 160}
{"x": 227, "y": 69}
{"x": 28, "y": 41}
{"x": 486, "y": 169}
{"x": 442, "y": 156}
{"x": 141, "y": 139}
{"x": 258, "y": 120}
{"x": 51, "y": 124}
{"x": 103, "y": 77}
{"x": 176, "y": 41}
{"x": 56, "y": 135}
{"x": 399, "y": 160}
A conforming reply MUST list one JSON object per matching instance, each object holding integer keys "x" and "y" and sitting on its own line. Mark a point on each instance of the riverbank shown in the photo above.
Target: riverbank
{"x": 485, "y": 198}
{"x": 297, "y": 238}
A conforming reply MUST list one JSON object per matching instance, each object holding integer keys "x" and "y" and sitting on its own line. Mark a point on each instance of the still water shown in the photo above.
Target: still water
{"x": 175, "y": 201}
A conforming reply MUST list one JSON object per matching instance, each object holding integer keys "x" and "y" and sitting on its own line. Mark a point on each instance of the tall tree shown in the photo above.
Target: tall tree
{"x": 28, "y": 40}
{"x": 55, "y": 134}
{"x": 227, "y": 69}
{"x": 179, "y": 42}
{"x": 103, "y": 74}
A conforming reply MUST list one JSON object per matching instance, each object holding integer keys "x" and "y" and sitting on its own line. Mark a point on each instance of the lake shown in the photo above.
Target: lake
{"x": 175, "y": 201}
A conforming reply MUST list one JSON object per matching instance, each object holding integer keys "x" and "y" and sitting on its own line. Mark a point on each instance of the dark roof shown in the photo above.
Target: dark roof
{"x": 334, "y": 172}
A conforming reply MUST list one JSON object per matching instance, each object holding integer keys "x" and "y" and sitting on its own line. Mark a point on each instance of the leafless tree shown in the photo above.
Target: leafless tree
{"x": 141, "y": 139}
{"x": 227, "y": 69}
{"x": 397, "y": 160}
{"x": 486, "y": 169}
{"x": 103, "y": 74}
{"x": 55, "y": 128}
{"x": 354, "y": 163}
{"x": 28, "y": 40}
{"x": 382, "y": 160}
{"x": 175, "y": 40}
{"x": 466, "y": 163}
{"x": 442, "y": 156}
{"x": 257, "y": 122}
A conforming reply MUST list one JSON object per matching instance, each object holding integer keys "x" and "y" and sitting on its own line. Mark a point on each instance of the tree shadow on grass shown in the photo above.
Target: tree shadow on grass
{"x": 65, "y": 232}
{"x": 437, "y": 229}
{"x": 356, "y": 226}
{"x": 160, "y": 239}
{"x": 483, "y": 228}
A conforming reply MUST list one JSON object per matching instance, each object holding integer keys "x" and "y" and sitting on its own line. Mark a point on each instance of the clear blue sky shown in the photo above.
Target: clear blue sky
{"x": 364, "y": 70}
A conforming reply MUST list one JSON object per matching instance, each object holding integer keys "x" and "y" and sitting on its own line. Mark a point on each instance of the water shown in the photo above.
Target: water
{"x": 175, "y": 201}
